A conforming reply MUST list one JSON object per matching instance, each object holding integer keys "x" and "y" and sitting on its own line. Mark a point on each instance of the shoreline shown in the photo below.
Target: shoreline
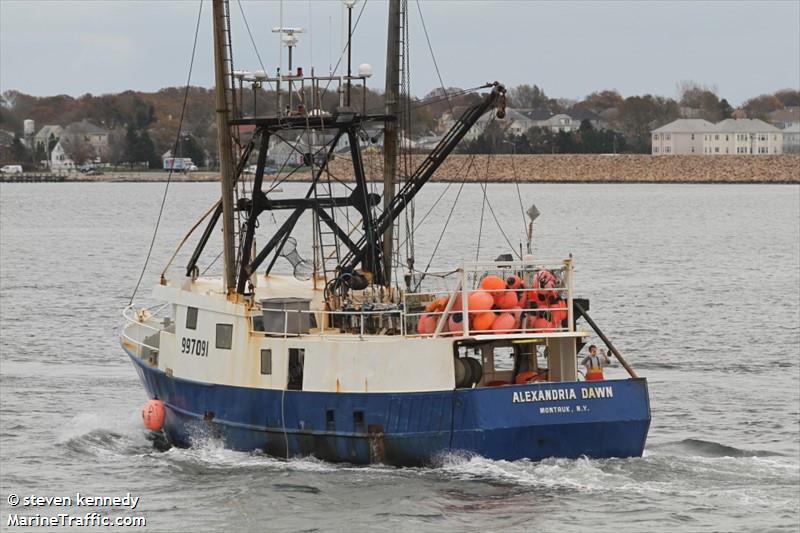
{"x": 568, "y": 168}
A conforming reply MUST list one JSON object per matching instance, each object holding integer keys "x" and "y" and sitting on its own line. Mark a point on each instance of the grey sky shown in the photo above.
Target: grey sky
{"x": 568, "y": 48}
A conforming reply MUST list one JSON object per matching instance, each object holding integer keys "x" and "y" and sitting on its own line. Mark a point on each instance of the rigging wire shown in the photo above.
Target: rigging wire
{"x": 439, "y": 241}
{"x": 433, "y": 57}
{"x": 499, "y": 226}
{"x": 253, "y": 41}
{"x": 480, "y": 228}
{"x": 174, "y": 151}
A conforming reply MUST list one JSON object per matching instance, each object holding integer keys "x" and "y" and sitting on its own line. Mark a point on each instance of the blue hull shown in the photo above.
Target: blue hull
{"x": 532, "y": 421}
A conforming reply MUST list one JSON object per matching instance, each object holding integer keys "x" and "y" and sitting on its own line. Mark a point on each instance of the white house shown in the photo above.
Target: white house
{"x": 683, "y": 137}
{"x": 743, "y": 136}
{"x": 59, "y": 159}
{"x": 728, "y": 137}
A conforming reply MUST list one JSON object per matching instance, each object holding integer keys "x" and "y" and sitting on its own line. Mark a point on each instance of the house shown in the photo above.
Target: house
{"x": 514, "y": 123}
{"x": 59, "y": 159}
{"x": 42, "y": 138}
{"x": 791, "y": 139}
{"x": 85, "y": 131}
{"x": 783, "y": 118}
{"x": 730, "y": 136}
{"x": 788, "y": 120}
{"x": 743, "y": 136}
{"x": 580, "y": 114}
{"x": 567, "y": 121}
{"x": 681, "y": 137}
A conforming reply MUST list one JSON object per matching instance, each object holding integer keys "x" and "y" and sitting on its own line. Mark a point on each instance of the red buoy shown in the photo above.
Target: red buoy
{"x": 480, "y": 301}
{"x": 426, "y": 325}
{"x": 513, "y": 282}
{"x": 153, "y": 414}
{"x": 483, "y": 321}
{"x": 503, "y": 323}
{"x": 506, "y": 300}
{"x": 492, "y": 283}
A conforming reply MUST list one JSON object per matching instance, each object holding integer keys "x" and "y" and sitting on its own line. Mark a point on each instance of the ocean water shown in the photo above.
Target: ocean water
{"x": 698, "y": 285}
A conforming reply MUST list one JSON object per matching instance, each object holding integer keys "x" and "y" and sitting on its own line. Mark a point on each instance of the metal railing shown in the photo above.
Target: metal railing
{"x": 141, "y": 321}
{"x": 558, "y": 318}
{"x": 403, "y": 319}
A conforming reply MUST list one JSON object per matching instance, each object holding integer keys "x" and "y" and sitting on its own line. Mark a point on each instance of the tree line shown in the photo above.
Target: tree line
{"x": 142, "y": 125}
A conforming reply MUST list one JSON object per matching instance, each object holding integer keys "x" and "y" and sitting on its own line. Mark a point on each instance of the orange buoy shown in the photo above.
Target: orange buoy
{"x": 457, "y": 303}
{"x": 492, "y": 283}
{"x": 455, "y": 324}
{"x": 523, "y": 298}
{"x": 544, "y": 279}
{"x": 503, "y": 323}
{"x": 153, "y": 414}
{"x": 558, "y": 312}
{"x": 506, "y": 300}
{"x": 525, "y": 377}
{"x": 426, "y": 325}
{"x": 536, "y": 298}
{"x": 437, "y": 305}
{"x": 542, "y": 324}
{"x": 513, "y": 282}
{"x": 480, "y": 301}
{"x": 483, "y": 321}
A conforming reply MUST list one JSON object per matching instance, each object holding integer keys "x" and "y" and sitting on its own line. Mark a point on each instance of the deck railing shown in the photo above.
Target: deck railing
{"x": 421, "y": 313}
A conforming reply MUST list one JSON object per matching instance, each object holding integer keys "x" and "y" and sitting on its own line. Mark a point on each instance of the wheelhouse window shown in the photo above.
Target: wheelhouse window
{"x": 191, "y": 318}
{"x": 224, "y": 336}
{"x": 266, "y": 362}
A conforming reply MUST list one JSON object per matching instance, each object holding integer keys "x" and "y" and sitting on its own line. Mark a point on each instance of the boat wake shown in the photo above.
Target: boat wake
{"x": 704, "y": 448}
{"x": 674, "y": 468}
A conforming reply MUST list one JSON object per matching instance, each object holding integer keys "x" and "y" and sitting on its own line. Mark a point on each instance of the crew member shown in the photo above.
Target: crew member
{"x": 594, "y": 364}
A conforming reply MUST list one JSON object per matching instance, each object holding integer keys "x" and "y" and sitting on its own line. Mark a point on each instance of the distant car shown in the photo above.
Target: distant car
{"x": 268, "y": 170}
{"x": 93, "y": 172}
{"x": 11, "y": 169}
{"x": 191, "y": 168}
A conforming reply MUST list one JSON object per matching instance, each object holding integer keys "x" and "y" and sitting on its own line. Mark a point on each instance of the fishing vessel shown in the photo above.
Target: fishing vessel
{"x": 356, "y": 356}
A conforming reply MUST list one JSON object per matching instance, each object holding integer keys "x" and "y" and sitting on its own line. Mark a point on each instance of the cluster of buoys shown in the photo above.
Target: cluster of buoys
{"x": 502, "y": 306}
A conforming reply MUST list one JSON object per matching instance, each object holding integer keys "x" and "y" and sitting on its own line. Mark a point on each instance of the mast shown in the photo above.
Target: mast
{"x": 222, "y": 62}
{"x": 392, "y": 103}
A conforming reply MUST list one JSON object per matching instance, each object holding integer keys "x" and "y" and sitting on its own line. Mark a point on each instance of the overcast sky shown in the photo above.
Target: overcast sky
{"x": 568, "y": 48}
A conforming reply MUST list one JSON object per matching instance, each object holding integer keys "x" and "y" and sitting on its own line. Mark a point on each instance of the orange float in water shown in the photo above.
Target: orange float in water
{"x": 492, "y": 283}
{"x": 503, "y": 323}
{"x": 483, "y": 321}
{"x": 153, "y": 414}
{"x": 480, "y": 301}
{"x": 426, "y": 325}
{"x": 506, "y": 300}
